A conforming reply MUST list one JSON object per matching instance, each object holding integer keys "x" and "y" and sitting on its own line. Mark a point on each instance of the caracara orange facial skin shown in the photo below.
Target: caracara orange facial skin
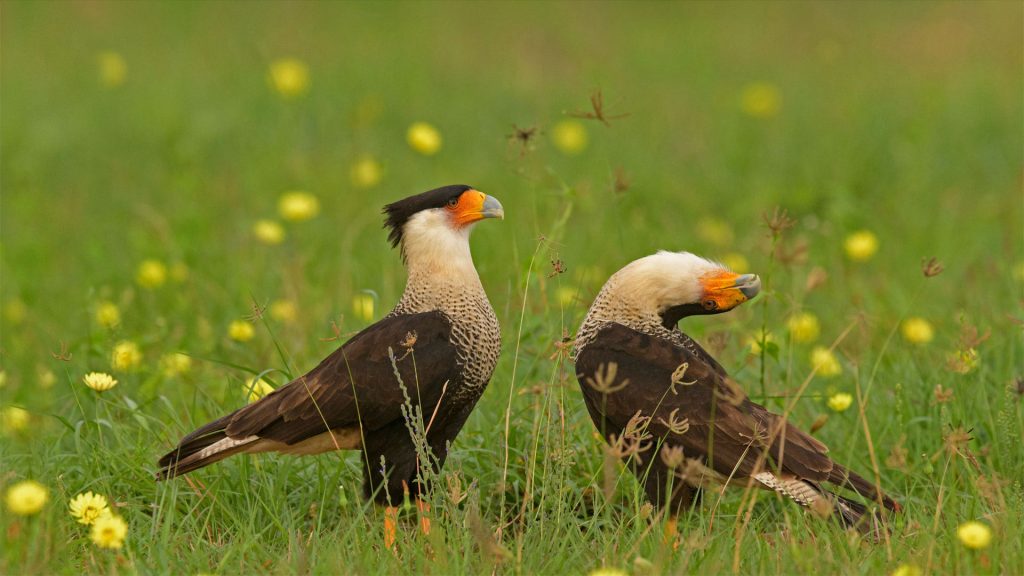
{"x": 473, "y": 206}
{"x": 725, "y": 290}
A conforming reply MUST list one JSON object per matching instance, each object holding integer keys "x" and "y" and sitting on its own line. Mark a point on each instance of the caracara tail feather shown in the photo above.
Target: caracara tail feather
{"x": 840, "y": 476}
{"x": 202, "y": 447}
{"x": 849, "y": 513}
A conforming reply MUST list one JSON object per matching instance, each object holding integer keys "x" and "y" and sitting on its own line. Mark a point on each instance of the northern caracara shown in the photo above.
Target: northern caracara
{"x": 669, "y": 409}
{"x": 434, "y": 352}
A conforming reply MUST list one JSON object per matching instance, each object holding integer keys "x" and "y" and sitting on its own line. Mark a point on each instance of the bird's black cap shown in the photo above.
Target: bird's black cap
{"x": 398, "y": 213}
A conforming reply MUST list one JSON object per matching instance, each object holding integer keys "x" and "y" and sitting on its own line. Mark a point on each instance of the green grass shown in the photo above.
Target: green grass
{"x": 904, "y": 119}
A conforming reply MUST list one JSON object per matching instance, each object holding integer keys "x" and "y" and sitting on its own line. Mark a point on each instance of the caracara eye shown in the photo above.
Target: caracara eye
{"x": 710, "y": 305}
{"x": 453, "y": 202}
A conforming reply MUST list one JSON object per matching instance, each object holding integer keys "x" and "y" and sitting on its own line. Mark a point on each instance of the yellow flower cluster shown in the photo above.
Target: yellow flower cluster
{"x": 759, "y": 339}
{"x": 108, "y": 529}
{"x": 112, "y": 69}
{"x": 126, "y": 356}
{"x": 151, "y": 274}
{"x": 760, "y": 100}
{"x": 803, "y": 327}
{"x": 917, "y": 330}
{"x": 284, "y": 310}
{"x": 362, "y": 306}
{"x": 26, "y": 498}
{"x": 241, "y": 331}
{"x": 825, "y": 361}
{"x": 424, "y": 138}
{"x": 366, "y": 172}
{"x": 86, "y": 508}
{"x": 99, "y": 381}
{"x": 974, "y": 535}
{"x": 13, "y": 420}
{"x": 107, "y": 315}
{"x": 256, "y": 389}
{"x": 570, "y": 137}
{"x": 269, "y": 232}
{"x": 289, "y": 77}
{"x": 298, "y": 206}
{"x": 861, "y": 245}
{"x": 175, "y": 364}
{"x": 840, "y": 402}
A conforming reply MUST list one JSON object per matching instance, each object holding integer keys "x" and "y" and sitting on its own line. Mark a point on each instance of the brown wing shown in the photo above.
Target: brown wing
{"x": 357, "y": 383}
{"x": 726, "y": 429}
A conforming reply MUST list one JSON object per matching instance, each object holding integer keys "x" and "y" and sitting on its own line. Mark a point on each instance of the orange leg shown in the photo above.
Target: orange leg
{"x": 390, "y": 527}
{"x": 424, "y": 509}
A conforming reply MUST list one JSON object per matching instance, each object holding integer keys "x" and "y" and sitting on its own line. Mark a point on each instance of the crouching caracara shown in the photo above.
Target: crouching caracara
{"x": 435, "y": 351}
{"x": 668, "y": 408}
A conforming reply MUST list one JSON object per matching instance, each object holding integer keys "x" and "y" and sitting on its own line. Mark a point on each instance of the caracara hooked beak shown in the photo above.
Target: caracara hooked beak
{"x": 725, "y": 290}
{"x": 473, "y": 206}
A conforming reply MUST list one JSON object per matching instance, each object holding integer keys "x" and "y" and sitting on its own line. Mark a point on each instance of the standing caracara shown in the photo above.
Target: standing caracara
{"x": 667, "y": 406}
{"x": 442, "y": 339}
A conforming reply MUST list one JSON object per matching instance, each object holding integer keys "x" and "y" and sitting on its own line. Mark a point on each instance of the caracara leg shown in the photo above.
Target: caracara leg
{"x": 390, "y": 527}
{"x": 424, "y": 510}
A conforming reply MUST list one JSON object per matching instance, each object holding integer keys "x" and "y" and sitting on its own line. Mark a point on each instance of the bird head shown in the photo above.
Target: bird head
{"x": 675, "y": 285}
{"x": 439, "y": 220}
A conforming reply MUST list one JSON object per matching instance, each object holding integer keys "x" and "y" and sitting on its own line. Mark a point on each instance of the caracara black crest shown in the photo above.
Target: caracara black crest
{"x": 673, "y": 413}
{"x": 398, "y": 213}
{"x": 417, "y": 371}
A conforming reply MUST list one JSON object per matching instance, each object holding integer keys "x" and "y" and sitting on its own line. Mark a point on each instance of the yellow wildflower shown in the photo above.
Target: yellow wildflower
{"x": 570, "y": 137}
{"x": 963, "y": 361}
{"x": 424, "y": 138}
{"x": 107, "y": 315}
{"x": 13, "y": 419}
{"x": 99, "y": 381}
{"x": 241, "y": 331}
{"x": 15, "y": 311}
{"x": 26, "y": 498}
{"x": 366, "y": 172}
{"x": 566, "y": 296}
{"x": 3, "y": 378}
{"x": 362, "y": 306}
{"x": 284, "y": 310}
{"x": 803, "y": 327}
{"x": 736, "y": 262}
{"x": 840, "y": 402}
{"x": 151, "y": 274}
{"x": 269, "y": 232}
{"x": 179, "y": 272}
{"x": 760, "y": 100}
{"x": 974, "y": 535}
{"x": 1018, "y": 272}
{"x": 109, "y": 531}
{"x": 906, "y": 570}
{"x": 714, "y": 231}
{"x": 256, "y": 389}
{"x": 112, "y": 68}
{"x": 917, "y": 330}
{"x": 297, "y": 206}
{"x": 46, "y": 378}
{"x": 175, "y": 363}
{"x": 88, "y": 507}
{"x": 126, "y": 356}
{"x": 607, "y": 571}
{"x": 861, "y": 245}
{"x": 825, "y": 361}
{"x": 289, "y": 77}
{"x": 756, "y": 340}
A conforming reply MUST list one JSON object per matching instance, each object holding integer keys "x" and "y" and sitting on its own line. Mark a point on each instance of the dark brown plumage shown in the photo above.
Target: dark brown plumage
{"x": 651, "y": 390}
{"x": 354, "y": 399}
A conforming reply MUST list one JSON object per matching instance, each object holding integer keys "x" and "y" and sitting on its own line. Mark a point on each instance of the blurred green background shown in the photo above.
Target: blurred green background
{"x": 134, "y": 131}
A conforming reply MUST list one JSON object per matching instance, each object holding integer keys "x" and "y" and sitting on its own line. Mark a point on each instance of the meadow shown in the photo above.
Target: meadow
{"x": 834, "y": 149}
